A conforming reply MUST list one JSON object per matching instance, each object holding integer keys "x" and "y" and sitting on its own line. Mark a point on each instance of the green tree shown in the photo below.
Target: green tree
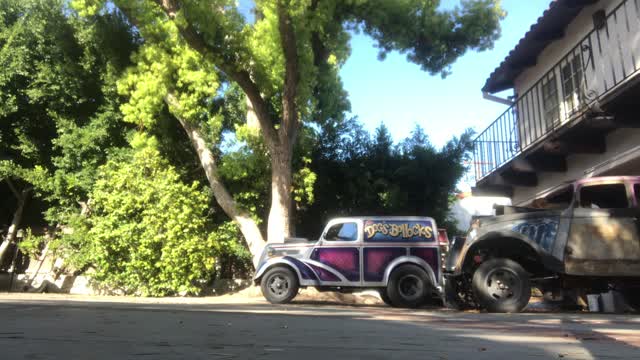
{"x": 59, "y": 109}
{"x": 147, "y": 230}
{"x": 363, "y": 175}
{"x": 286, "y": 62}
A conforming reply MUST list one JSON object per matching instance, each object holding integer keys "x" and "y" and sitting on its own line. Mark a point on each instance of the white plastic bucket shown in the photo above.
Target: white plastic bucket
{"x": 594, "y": 302}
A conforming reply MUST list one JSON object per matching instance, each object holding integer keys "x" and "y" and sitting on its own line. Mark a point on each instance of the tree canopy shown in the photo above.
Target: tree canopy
{"x": 251, "y": 104}
{"x": 286, "y": 62}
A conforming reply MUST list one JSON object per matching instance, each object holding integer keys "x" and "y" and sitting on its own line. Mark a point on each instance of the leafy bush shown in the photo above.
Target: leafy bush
{"x": 146, "y": 233}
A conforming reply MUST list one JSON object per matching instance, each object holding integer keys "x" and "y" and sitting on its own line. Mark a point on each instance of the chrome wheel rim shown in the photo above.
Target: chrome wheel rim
{"x": 503, "y": 284}
{"x": 278, "y": 285}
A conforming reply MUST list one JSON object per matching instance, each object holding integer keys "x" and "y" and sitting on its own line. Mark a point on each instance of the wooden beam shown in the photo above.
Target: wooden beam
{"x": 520, "y": 178}
{"x": 577, "y": 145}
{"x": 610, "y": 122}
{"x": 548, "y": 162}
{"x": 600, "y": 122}
{"x": 493, "y": 190}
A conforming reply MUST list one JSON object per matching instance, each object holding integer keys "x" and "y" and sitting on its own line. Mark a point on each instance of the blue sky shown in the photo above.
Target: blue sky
{"x": 398, "y": 93}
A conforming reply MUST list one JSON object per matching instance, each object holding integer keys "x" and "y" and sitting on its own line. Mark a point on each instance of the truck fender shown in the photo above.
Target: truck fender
{"x": 411, "y": 260}
{"x": 498, "y": 236}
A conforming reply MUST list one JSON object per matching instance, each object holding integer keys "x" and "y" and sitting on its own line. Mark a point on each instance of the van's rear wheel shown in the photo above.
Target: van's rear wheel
{"x": 279, "y": 285}
{"x": 501, "y": 285}
{"x": 408, "y": 286}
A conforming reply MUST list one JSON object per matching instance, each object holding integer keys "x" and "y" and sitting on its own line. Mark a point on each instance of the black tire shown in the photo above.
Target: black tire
{"x": 408, "y": 286}
{"x": 632, "y": 298}
{"x": 384, "y": 297}
{"x": 279, "y": 285}
{"x": 502, "y": 286}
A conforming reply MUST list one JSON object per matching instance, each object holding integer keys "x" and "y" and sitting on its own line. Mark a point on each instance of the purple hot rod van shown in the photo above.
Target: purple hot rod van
{"x": 398, "y": 256}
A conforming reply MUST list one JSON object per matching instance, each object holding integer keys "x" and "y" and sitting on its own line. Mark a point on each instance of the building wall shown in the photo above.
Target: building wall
{"x": 614, "y": 56}
{"x": 622, "y": 155}
{"x": 574, "y": 33}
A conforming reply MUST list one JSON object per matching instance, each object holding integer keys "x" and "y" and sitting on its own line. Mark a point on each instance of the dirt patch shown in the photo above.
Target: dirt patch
{"x": 313, "y": 295}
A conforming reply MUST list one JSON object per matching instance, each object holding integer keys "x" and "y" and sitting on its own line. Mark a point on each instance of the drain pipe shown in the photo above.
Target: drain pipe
{"x": 486, "y": 95}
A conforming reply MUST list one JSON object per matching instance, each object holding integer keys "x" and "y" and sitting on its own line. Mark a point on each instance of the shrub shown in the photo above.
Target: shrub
{"x": 146, "y": 233}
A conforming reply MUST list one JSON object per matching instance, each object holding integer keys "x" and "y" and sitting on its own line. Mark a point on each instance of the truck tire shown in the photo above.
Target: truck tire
{"x": 501, "y": 285}
{"x": 632, "y": 298}
{"x": 408, "y": 286}
{"x": 279, "y": 285}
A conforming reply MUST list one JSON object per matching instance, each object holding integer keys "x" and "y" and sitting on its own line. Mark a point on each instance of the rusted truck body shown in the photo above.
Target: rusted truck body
{"x": 583, "y": 237}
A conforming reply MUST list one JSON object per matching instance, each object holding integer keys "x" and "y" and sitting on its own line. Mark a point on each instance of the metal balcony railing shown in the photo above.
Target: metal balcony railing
{"x": 604, "y": 59}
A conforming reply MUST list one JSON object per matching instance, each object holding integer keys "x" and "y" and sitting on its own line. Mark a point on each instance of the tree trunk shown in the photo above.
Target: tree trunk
{"x": 280, "y": 215}
{"x": 247, "y": 225}
{"x": 15, "y": 224}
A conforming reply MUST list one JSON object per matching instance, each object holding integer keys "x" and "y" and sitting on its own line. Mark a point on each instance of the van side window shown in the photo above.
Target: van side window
{"x": 609, "y": 196}
{"x": 342, "y": 232}
{"x": 636, "y": 190}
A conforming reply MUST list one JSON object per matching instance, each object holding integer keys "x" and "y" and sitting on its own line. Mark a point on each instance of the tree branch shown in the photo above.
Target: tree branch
{"x": 13, "y": 188}
{"x": 291, "y": 77}
{"x": 207, "y": 159}
{"x": 320, "y": 52}
{"x": 242, "y": 77}
{"x": 247, "y": 225}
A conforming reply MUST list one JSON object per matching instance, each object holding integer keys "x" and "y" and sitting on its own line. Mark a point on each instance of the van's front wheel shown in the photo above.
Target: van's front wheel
{"x": 279, "y": 285}
{"x": 501, "y": 285}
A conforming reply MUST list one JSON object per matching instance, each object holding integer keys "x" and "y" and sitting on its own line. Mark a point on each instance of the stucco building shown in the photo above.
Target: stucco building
{"x": 575, "y": 113}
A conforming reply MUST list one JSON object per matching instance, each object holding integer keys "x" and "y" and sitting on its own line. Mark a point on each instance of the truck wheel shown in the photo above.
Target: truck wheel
{"x": 279, "y": 285}
{"x": 632, "y": 298}
{"x": 408, "y": 286}
{"x": 501, "y": 285}
{"x": 384, "y": 297}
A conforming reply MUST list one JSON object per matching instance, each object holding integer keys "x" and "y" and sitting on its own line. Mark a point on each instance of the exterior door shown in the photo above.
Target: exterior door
{"x": 336, "y": 259}
{"x": 604, "y": 238}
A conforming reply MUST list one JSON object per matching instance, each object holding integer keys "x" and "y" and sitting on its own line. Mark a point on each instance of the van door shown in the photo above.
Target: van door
{"x": 336, "y": 257}
{"x": 604, "y": 238}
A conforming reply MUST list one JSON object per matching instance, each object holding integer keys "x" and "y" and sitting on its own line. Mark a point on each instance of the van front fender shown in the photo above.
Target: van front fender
{"x": 306, "y": 275}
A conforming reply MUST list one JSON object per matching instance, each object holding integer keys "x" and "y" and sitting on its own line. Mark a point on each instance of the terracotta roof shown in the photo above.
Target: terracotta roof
{"x": 549, "y": 27}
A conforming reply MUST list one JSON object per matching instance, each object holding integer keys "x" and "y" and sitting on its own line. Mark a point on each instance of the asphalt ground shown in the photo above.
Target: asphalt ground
{"x": 68, "y": 327}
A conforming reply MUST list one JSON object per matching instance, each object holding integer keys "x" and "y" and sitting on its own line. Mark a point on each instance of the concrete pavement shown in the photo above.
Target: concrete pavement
{"x": 67, "y": 327}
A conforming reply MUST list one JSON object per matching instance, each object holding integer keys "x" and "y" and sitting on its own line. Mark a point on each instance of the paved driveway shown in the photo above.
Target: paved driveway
{"x": 55, "y": 327}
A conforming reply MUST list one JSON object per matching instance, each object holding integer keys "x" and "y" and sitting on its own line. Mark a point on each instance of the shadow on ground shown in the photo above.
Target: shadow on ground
{"x": 57, "y": 329}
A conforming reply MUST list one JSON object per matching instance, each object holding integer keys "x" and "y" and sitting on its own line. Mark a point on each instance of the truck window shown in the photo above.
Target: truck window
{"x": 342, "y": 232}
{"x": 560, "y": 199}
{"x": 609, "y": 196}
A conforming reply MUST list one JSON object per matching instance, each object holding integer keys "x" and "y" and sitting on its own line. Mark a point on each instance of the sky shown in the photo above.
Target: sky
{"x": 398, "y": 93}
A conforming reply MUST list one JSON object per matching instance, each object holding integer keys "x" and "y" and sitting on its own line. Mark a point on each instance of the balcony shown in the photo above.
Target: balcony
{"x": 576, "y": 91}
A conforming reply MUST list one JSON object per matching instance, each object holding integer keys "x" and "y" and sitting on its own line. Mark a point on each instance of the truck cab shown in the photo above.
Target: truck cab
{"x": 582, "y": 236}
{"x": 398, "y": 256}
